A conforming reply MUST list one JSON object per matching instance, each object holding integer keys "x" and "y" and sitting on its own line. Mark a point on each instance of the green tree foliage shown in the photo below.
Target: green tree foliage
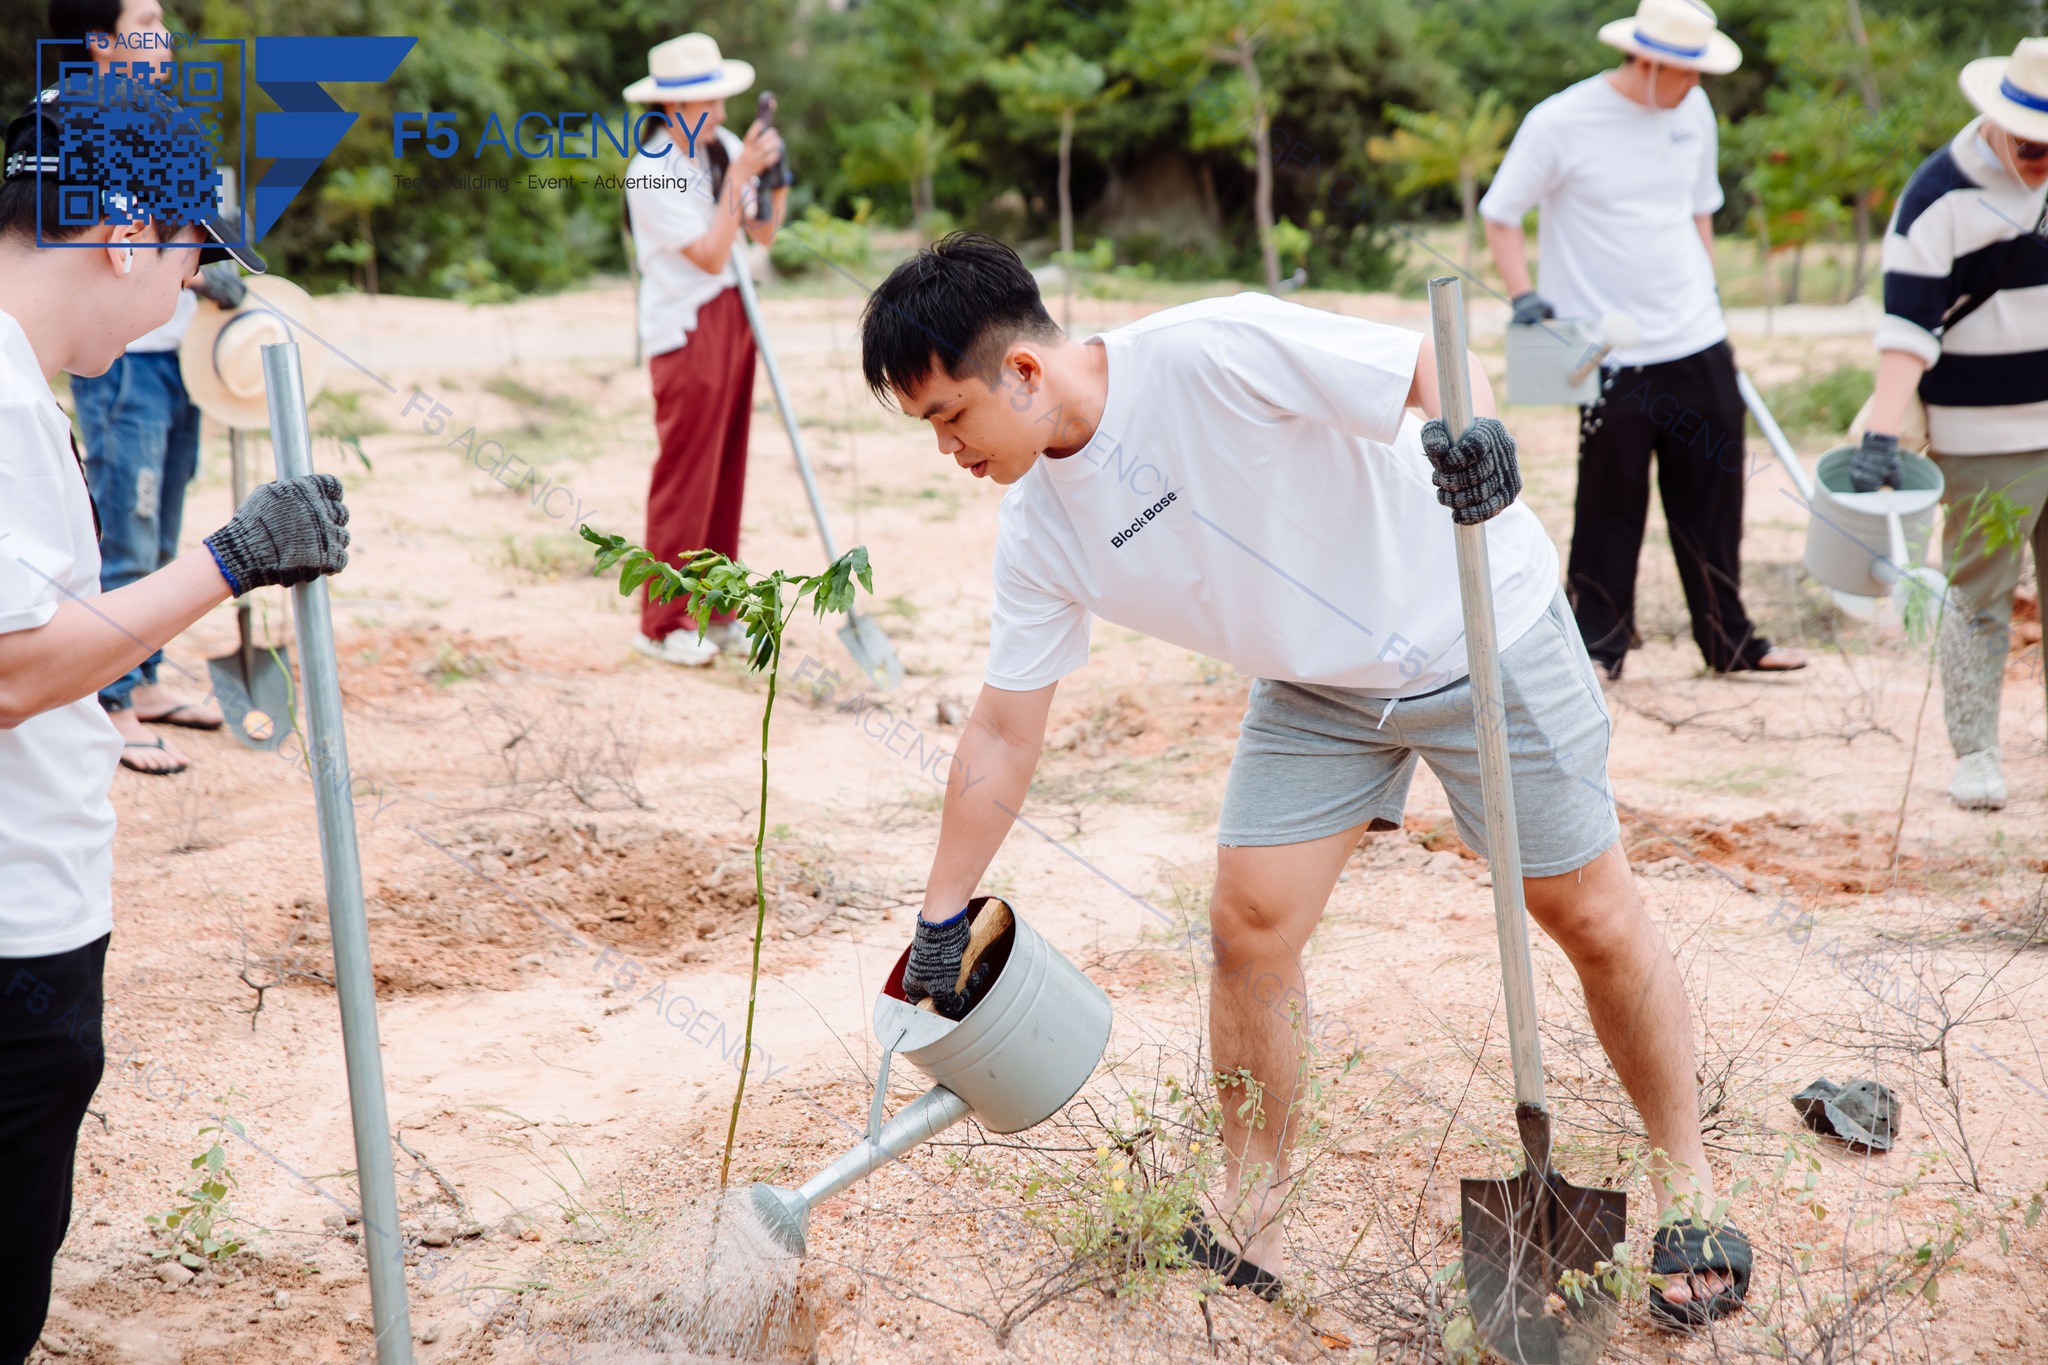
{"x": 1232, "y": 34}
{"x": 905, "y": 147}
{"x": 361, "y": 191}
{"x": 1040, "y": 83}
{"x": 1461, "y": 147}
{"x": 1265, "y": 107}
{"x": 1855, "y": 106}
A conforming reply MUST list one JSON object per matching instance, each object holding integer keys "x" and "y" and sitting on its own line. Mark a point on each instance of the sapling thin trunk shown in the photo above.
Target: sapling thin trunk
{"x": 717, "y": 586}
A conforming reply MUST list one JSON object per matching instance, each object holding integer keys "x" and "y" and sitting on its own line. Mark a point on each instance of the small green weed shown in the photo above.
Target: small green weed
{"x": 193, "y": 1227}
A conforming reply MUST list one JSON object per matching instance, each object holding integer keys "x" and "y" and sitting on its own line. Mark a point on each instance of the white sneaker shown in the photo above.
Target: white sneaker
{"x": 1978, "y": 784}
{"x": 731, "y": 637}
{"x": 679, "y": 647}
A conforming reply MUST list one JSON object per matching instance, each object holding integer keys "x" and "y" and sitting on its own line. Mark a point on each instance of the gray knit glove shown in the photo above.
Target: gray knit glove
{"x": 288, "y": 532}
{"x": 934, "y": 966}
{"x": 1877, "y": 463}
{"x": 221, "y": 283}
{"x": 1531, "y": 308}
{"x": 1477, "y": 477}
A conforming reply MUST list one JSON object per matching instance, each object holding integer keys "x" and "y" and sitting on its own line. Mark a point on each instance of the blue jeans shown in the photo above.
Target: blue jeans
{"x": 141, "y": 449}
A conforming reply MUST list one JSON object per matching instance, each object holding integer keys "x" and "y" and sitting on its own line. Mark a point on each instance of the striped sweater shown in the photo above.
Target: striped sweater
{"x": 1966, "y": 225}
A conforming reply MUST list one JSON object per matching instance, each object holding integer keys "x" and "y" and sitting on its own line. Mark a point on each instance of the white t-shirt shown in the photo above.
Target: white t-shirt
{"x": 1255, "y": 492}
{"x": 56, "y": 769}
{"x": 667, "y": 219}
{"x": 169, "y": 336}
{"x": 1618, "y": 185}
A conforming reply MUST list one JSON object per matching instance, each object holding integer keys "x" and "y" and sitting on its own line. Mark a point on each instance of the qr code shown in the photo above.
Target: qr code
{"x": 129, "y": 153}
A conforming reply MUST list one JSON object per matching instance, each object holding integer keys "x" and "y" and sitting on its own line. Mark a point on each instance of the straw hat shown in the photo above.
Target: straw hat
{"x": 221, "y": 357}
{"x": 2013, "y": 91}
{"x": 686, "y": 69}
{"x": 1675, "y": 33}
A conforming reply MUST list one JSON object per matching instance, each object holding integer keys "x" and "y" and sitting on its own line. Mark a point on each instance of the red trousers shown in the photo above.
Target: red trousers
{"x": 703, "y": 400}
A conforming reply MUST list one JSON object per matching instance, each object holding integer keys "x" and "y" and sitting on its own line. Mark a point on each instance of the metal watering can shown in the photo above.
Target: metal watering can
{"x": 1026, "y": 1048}
{"x": 1860, "y": 546}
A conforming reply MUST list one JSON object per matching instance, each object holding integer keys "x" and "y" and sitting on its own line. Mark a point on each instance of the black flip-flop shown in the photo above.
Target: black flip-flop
{"x": 1199, "y": 1242}
{"x": 1692, "y": 1249}
{"x": 170, "y": 717}
{"x": 149, "y": 772}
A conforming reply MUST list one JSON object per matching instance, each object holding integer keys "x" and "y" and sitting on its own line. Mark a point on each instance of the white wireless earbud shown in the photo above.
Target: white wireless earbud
{"x": 127, "y": 259}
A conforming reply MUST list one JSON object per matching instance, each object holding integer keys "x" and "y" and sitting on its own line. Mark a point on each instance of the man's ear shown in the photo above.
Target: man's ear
{"x": 122, "y": 239}
{"x": 1024, "y": 364}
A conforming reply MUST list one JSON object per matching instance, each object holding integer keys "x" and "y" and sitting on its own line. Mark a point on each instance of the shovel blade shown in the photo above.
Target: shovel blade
{"x": 258, "y": 706}
{"x": 872, "y": 651}
{"x": 1521, "y": 1236}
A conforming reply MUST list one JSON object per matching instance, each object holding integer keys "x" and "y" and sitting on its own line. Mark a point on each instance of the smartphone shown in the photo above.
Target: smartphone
{"x": 776, "y": 176}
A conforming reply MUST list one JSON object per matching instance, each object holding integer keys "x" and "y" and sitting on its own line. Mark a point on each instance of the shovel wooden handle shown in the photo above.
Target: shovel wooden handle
{"x": 1482, "y": 652}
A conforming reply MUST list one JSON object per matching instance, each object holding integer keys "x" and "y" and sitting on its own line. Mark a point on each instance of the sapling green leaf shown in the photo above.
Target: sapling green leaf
{"x": 713, "y": 585}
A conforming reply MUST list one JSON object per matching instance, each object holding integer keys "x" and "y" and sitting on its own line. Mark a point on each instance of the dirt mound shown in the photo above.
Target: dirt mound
{"x": 495, "y": 900}
{"x": 1791, "y": 852}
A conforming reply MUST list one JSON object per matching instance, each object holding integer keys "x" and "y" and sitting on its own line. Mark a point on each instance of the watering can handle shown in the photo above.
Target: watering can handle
{"x": 876, "y": 1114}
{"x": 1774, "y": 436}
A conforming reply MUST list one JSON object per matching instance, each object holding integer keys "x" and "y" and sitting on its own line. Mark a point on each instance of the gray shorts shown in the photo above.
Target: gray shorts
{"x": 1314, "y": 761}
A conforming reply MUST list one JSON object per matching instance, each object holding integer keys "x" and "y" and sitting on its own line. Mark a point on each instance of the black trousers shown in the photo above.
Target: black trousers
{"x": 1689, "y": 413}
{"x": 51, "y": 1055}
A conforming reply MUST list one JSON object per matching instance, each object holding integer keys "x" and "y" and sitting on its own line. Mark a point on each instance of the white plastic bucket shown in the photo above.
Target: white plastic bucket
{"x": 1544, "y": 356}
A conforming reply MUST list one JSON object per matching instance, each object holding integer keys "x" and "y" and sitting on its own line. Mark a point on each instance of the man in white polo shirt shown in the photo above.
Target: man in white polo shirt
{"x": 72, "y": 303}
{"x": 1623, "y": 168}
{"x": 1241, "y": 477}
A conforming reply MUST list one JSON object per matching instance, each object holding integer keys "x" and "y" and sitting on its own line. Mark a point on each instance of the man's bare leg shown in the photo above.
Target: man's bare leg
{"x": 1266, "y": 904}
{"x": 1636, "y": 1000}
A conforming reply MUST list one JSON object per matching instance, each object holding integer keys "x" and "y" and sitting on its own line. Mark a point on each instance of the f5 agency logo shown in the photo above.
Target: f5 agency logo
{"x": 149, "y": 132}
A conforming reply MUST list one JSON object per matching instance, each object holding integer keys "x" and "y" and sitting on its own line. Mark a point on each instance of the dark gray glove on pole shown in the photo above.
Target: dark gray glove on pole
{"x": 288, "y": 532}
{"x": 1477, "y": 476}
{"x": 1877, "y": 463}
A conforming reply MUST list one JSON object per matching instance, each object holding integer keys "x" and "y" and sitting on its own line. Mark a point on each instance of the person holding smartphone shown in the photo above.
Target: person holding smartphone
{"x": 691, "y": 191}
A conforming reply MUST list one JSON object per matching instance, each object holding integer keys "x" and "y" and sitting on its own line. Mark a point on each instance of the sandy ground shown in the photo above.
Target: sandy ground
{"x": 555, "y": 838}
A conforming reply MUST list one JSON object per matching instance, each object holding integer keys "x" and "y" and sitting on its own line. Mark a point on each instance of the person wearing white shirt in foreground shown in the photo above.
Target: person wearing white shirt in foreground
{"x": 1623, "y": 169}
{"x": 690, "y": 192}
{"x": 73, "y": 305}
{"x": 1243, "y": 478}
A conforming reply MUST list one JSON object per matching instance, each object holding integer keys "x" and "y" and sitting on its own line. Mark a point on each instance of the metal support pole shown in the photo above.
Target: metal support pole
{"x": 354, "y": 984}
{"x": 862, "y": 635}
{"x": 1482, "y": 652}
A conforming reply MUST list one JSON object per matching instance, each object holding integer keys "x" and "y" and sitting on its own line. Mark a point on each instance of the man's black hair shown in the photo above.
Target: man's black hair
{"x": 958, "y": 305}
{"x": 72, "y": 20}
{"x": 123, "y": 186}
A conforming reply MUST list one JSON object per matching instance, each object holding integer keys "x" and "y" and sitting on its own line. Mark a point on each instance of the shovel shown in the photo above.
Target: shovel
{"x": 864, "y": 639}
{"x": 252, "y": 685}
{"x": 1522, "y": 1235}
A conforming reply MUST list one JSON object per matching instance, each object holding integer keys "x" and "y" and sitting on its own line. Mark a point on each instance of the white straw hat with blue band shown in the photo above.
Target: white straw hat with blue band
{"x": 2013, "y": 91}
{"x": 1675, "y": 33}
{"x": 690, "y": 68}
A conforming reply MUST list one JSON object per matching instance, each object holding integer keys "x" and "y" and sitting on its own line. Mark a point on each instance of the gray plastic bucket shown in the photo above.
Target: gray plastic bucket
{"x": 1863, "y": 543}
{"x": 1543, "y": 357}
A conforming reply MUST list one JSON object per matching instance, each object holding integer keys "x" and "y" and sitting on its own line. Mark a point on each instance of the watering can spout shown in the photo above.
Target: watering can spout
{"x": 785, "y": 1212}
